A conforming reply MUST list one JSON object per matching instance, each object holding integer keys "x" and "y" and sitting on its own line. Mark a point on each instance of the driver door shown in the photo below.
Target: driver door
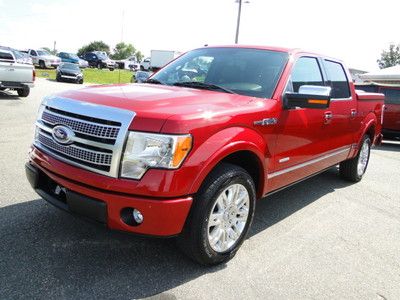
{"x": 301, "y": 132}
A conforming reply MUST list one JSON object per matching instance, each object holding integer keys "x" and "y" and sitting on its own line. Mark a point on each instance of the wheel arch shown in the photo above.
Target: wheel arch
{"x": 246, "y": 148}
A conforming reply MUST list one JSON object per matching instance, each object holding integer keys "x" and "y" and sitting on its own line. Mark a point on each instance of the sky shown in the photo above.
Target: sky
{"x": 355, "y": 31}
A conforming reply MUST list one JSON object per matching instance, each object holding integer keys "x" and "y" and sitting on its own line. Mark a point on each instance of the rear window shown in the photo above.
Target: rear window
{"x": 6, "y": 56}
{"x": 337, "y": 80}
{"x": 392, "y": 96}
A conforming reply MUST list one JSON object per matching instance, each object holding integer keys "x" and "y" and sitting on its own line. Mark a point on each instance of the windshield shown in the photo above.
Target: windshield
{"x": 245, "y": 71}
{"x": 74, "y": 56}
{"x": 70, "y": 66}
{"x": 101, "y": 55}
{"x": 43, "y": 53}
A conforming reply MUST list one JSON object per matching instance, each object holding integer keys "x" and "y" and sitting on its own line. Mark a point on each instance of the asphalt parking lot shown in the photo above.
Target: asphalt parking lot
{"x": 323, "y": 238}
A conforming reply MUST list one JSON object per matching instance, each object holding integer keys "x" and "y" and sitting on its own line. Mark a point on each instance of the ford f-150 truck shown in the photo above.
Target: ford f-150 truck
{"x": 189, "y": 152}
{"x": 15, "y": 75}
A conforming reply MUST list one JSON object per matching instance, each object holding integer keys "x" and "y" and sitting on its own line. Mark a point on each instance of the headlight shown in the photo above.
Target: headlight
{"x": 144, "y": 151}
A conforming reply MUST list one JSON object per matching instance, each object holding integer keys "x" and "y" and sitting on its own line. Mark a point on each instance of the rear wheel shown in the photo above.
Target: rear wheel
{"x": 99, "y": 66}
{"x": 354, "y": 169}
{"x": 220, "y": 217}
{"x": 42, "y": 65}
{"x": 24, "y": 92}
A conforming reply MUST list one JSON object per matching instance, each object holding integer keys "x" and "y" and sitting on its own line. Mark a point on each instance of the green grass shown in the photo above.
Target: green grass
{"x": 90, "y": 75}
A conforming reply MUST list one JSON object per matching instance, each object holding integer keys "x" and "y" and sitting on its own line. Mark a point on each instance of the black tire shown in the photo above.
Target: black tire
{"x": 24, "y": 92}
{"x": 193, "y": 240}
{"x": 349, "y": 170}
{"x": 99, "y": 66}
{"x": 80, "y": 81}
{"x": 141, "y": 68}
{"x": 58, "y": 78}
{"x": 42, "y": 65}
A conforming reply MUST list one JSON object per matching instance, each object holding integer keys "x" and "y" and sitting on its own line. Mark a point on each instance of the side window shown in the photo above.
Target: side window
{"x": 306, "y": 71}
{"x": 337, "y": 80}
{"x": 392, "y": 96}
{"x": 33, "y": 53}
{"x": 6, "y": 57}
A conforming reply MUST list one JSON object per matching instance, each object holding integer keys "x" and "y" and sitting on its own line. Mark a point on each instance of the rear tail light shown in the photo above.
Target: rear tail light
{"x": 33, "y": 75}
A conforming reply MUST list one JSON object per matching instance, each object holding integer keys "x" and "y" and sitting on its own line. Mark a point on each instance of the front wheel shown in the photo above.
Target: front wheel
{"x": 354, "y": 169}
{"x": 220, "y": 217}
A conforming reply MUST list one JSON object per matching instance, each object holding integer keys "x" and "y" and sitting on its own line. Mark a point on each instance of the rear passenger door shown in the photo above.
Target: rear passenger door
{"x": 342, "y": 125}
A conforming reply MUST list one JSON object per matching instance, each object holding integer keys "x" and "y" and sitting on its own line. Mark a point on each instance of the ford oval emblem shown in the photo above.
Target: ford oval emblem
{"x": 63, "y": 134}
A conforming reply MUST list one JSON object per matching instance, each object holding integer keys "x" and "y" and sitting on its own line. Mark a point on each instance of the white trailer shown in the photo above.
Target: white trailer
{"x": 159, "y": 58}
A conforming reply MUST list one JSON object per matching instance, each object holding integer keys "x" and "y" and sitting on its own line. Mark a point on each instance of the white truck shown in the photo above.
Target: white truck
{"x": 14, "y": 75}
{"x": 158, "y": 59}
{"x": 43, "y": 59}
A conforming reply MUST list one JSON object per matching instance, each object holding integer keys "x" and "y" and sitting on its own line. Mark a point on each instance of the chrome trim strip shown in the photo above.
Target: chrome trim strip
{"x": 77, "y": 139}
{"x": 98, "y": 111}
{"x": 80, "y": 120}
{"x": 307, "y": 163}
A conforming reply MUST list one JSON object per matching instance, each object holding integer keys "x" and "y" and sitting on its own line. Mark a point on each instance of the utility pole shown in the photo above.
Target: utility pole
{"x": 238, "y": 19}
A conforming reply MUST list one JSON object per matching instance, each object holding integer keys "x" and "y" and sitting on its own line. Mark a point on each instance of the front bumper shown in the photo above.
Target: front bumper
{"x": 161, "y": 217}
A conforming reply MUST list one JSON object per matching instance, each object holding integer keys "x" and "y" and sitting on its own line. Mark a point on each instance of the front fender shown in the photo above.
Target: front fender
{"x": 223, "y": 143}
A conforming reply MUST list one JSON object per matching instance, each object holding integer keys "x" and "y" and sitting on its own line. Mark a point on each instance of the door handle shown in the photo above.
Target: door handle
{"x": 328, "y": 117}
{"x": 353, "y": 113}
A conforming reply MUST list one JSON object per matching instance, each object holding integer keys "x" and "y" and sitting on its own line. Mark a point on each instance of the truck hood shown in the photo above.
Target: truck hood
{"x": 154, "y": 104}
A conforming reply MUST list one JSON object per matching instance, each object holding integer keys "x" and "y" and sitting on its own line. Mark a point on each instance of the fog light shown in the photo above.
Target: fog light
{"x": 137, "y": 216}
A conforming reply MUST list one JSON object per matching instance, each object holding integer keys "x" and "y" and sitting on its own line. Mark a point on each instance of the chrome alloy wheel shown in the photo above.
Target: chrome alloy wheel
{"x": 228, "y": 218}
{"x": 363, "y": 158}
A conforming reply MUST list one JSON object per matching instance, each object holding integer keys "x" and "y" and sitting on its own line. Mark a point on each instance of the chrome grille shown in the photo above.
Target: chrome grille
{"x": 85, "y": 127}
{"x": 75, "y": 152}
{"x": 98, "y": 133}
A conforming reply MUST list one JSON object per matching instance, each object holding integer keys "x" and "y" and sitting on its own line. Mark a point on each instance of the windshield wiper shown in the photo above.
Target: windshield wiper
{"x": 154, "y": 81}
{"x": 202, "y": 85}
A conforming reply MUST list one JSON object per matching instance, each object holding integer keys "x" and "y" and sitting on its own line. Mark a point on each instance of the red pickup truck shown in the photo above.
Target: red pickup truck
{"x": 391, "y": 116}
{"x": 188, "y": 153}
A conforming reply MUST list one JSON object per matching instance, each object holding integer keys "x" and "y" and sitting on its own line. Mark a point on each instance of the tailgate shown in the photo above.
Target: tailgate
{"x": 16, "y": 72}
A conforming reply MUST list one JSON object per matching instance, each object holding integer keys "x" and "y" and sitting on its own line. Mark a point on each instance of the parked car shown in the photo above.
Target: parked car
{"x": 391, "y": 116}
{"x": 69, "y": 72}
{"x": 68, "y": 57}
{"x": 43, "y": 59}
{"x": 189, "y": 157}
{"x": 131, "y": 63}
{"x": 99, "y": 60}
{"x": 145, "y": 64}
{"x": 140, "y": 76}
{"x": 14, "y": 75}
{"x": 83, "y": 63}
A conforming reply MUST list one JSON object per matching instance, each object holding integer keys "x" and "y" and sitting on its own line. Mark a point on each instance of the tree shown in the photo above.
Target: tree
{"x": 139, "y": 56}
{"x": 123, "y": 51}
{"x": 389, "y": 58}
{"x": 94, "y": 46}
{"x": 54, "y": 52}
